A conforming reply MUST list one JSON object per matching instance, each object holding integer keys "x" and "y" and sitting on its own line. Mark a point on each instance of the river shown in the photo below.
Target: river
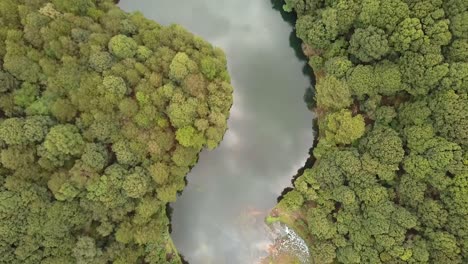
{"x": 219, "y": 216}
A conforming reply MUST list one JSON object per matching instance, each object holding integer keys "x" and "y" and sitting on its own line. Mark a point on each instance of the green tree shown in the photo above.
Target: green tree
{"x": 113, "y": 88}
{"x": 313, "y": 32}
{"x": 11, "y": 131}
{"x": 408, "y": 35}
{"x": 136, "y": 184}
{"x": 361, "y": 81}
{"x": 181, "y": 66}
{"x": 122, "y": 46}
{"x": 190, "y": 137}
{"x": 369, "y": 44}
{"x": 85, "y": 250}
{"x": 422, "y": 73}
{"x": 450, "y": 112}
{"x": 323, "y": 252}
{"x": 182, "y": 113}
{"x": 383, "y": 144}
{"x": 124, "y": 153}
{"x": 100, "y": 61}
{"x": 95, "y": 156}
{"x": 458, "y": 25}
{"x": 80, "y": 7}
{"x": 388, "y": 78}
{"x": 332, "y": 93}
{"x": 458, "y": 50}
{"x": 338, "y": 66}
{"x": 26, "y": 95}
{"x": 184, "y": 156}
{"x": 293, "y": 200}
{"x": 62, "y": 143}
{"x": 209, "y": 67}
{"x": 342, "y": 128}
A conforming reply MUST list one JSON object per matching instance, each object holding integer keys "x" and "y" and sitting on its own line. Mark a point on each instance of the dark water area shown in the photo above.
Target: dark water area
{"x": 296, "y": 44}
{"x": 219, "y": 217}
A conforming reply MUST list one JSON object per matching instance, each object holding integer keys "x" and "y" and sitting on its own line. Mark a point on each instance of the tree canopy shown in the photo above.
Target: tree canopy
{"x": 102, "y": 114}
{"x": 388, "y": 181}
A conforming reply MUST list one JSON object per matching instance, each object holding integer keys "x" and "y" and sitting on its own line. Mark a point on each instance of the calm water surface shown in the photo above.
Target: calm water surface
{"x": 219, "y": 217}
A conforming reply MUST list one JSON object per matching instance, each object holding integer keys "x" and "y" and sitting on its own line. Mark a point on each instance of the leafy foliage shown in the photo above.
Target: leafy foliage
{"x": 388, "y": 184}
{"x": 103, "y": 113}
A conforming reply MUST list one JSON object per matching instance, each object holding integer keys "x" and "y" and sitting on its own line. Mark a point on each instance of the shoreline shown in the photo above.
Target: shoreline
{"x": 280, "y": 213}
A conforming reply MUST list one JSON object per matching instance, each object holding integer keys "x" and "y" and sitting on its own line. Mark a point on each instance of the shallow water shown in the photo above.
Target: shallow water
{"x": 219, "y": 217}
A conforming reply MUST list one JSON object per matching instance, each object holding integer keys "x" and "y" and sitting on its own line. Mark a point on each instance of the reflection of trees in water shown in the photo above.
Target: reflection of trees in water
{"x": 296, "y": 45}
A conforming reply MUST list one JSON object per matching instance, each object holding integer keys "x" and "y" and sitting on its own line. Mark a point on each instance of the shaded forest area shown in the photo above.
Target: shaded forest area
{"x": 389, "y": 181}
{"x": 102, "y": 114}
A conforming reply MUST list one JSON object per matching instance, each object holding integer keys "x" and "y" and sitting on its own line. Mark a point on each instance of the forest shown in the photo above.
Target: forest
{"x": 102, "y": 114}
{"x": 389, "y": 179}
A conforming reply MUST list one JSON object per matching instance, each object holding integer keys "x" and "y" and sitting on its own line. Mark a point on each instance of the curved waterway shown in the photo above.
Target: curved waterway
{"x": 219, "y": 216}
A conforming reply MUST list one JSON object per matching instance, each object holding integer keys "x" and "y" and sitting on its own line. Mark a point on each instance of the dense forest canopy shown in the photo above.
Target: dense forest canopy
{"x": 390, "y": 179}
{"x": 102, "y": 114}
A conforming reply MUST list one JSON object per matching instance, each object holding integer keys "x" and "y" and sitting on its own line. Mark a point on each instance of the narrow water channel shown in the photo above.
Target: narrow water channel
{"x": 219, "y": 217}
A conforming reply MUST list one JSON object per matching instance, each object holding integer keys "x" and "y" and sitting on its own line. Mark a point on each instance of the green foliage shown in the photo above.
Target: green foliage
{"x": 388, "y": 183}
{"x": 459, "y": 26}
{"x": 388, "y": 78}
{"x": 86, "y": 251}
{"x": 408, "y": 35}
{"x": 338, "y": 66}
{"x": 122, "y": 46}
{"x": 182, "y": 113}
{"x": 136, "y": 184}
{"x": 26, "y": 95}
{"x": 209, "y": 67}
{"x": 383, "y": 144}
{"x": 458, "y": 51}
{"x": 100, "y": 61}
{"x": 113, "y": 88}
{"x": 62, "y": 143}
{"x": 450, "y": 112}
{"x": 422, "y": 73}
{"x": 78, "y": 7}
{"x": 180, "y": 67}
{"x": 361, "y": 81}
{"x": 384, "y": 14}
{"x": 332, "y": 93}
{"x": 314, "y": 32}
{"x": 189, "y": 137}
{"x": 103, "y": 115}
{"x": 369, "y": 44}
{"x": 323, "y": 253}
{"x": 95, "y": 156}
{"x": 342, "y": 128}
{"x": 293, "y": 200}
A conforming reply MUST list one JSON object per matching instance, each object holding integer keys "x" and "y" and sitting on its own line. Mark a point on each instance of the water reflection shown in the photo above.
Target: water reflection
{"x": 219, "y": 217}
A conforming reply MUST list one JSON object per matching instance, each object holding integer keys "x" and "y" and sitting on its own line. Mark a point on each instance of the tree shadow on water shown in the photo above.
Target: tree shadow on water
{"x": 289, "y": 17}
{"x": 309, "y": 94}
{"x": 296, "y": 44}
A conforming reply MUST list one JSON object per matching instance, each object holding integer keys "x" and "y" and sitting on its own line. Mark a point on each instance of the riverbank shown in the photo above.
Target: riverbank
{"x": 295, "y": 219}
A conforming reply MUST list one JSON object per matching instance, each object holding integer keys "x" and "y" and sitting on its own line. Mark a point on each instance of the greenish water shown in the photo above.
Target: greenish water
{"x": 219, "y": 217}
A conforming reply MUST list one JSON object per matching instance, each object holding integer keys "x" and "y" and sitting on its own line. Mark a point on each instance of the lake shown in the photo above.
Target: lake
{"x": 219, "y": 216}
